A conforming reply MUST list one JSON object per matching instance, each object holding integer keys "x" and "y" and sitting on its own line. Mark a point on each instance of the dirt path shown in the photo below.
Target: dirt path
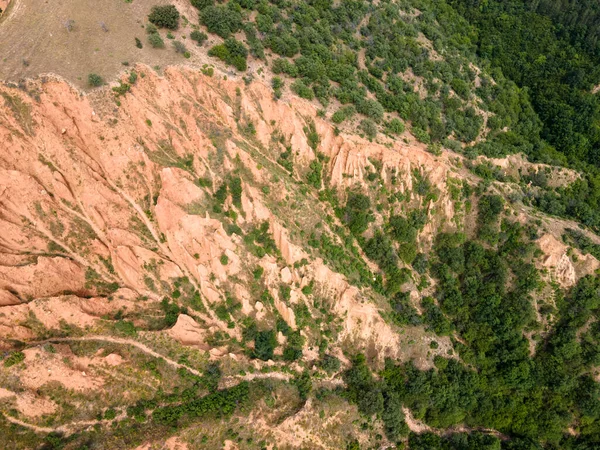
{"x": 123, "y": 341}
{"x": 418, "y": 427}
{"x": 67, "y": 428}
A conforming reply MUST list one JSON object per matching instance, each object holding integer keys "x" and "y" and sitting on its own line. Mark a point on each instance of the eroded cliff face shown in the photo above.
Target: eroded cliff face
{"x": 110, "y": 205}
{"x": 101, "y": 200}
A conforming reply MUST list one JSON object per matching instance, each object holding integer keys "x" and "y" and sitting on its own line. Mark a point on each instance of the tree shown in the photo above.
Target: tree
{"x": 357, "y": 213}
{"x": 303, "y": 384}
{"x": 264, "y": 345}
{"x": 221, "y": 20}
{"x": 165, "y": 16}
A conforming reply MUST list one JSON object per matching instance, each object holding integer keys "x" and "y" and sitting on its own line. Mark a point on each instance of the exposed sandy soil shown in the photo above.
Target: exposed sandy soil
{"x": 188, "y": 332}
{"x": 100, "y": 212}
{"x": 518, "y": 166}
{"x": 561, "y": 266}
{"x": 31, "y": 406}
{"x": 43, "y": 367}
{"x": 305, "y": 428}
{"x": 173, "y": 443}
{"x": 87, "y": 173}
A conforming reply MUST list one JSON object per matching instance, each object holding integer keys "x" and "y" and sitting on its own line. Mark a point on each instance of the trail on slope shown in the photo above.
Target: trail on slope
{"x": 123, "y": 341}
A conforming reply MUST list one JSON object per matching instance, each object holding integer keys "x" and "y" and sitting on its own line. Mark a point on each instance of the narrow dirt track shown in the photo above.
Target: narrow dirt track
{"x": 67, "y": 428}
{"x": 123, "y": 341}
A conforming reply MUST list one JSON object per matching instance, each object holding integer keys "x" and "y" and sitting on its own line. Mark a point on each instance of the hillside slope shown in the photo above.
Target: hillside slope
{"x": 192, "y": 257}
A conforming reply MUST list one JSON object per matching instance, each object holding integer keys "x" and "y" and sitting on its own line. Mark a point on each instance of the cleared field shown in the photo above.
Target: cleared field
{"x": 35, "y": 38}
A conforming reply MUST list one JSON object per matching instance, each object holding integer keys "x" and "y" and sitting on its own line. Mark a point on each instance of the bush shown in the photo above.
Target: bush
{"x": 151, "y": 29}
{"x": 156, "y": 41}
{"x": 221, "y": 20}
{"x": 369, "y": 128}
{"x": 14, "y": 358}
{"x": 232, "y": 52}
{"x": 95, "y": 80}
{"x": 303, "y": 384}
{"x": 165, "y": 16}
{"x": 126, "y": 327}
{"x": 283, "y": 65}
{"x": 371, "y": 108}
{"x": 395, "y": 126}
{"x": 277, "y": 83}
{"x": 138, "y": 43}
{"x": 180, "y": 47}
{"x": 330, "y": 364}
{"x": 198, "y": 36}
{"x": 357, "y": 213}
{"x": 345, "y": 112}
{"x": 264, "y": 345}
{"x": 402, "y": 230}
{"x": 302, "y": 90}
{"x": 201, "y": 4}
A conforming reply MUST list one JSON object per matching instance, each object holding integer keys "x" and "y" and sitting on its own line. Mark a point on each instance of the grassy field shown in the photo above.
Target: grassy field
{"x": 34, "y": 38}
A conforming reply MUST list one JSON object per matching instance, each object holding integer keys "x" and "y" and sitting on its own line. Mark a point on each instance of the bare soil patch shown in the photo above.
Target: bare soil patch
{"x": 34, "y": 38}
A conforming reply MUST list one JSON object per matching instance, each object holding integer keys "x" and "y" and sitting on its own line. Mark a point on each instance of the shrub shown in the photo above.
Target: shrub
{"x": 395, "y": 126}
{"x": 126, "y": 327}
{"x": 277, "y": 83}
{"x": 330, "y": 364}
{"x": 138, "y": 43}
{"x": 198, "y": 36}
{"x": 179, "y": 47}
{"x": 95, "y": 80}
{"x": 302, "y": 90}
{"x": 369, "y": 127}
{"x": 345, "y": 112}
{"x": 315, "y": 175}
{"x": 283, "y": 65}
{"x": 221, "y": 20}
{"x": 401, "y": 229}
{"x": 151, "y": 28}
{"x": 258, "y": 273}
{"x": 156, "y": 41}
{"x": 14, "y": 358}
{"x": 293, "y": 349}
{"x": 357, "y": 214}
{"x": 122, "y": 89}
{"x": 371, "y": 108}
{"x": 310, "y": 67}
{"x": 284, "y": 45}
{"x": 165, "y": 16}
{"x": 420, "y": 263}
{"x": 224, "y": 259}
{"x": 232, "y": 52}
{"x": 201, "y": 4}
{"x": 303, "y": 384}
{"x": 235, "y": 187}
{"x": 264, "y": 345}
